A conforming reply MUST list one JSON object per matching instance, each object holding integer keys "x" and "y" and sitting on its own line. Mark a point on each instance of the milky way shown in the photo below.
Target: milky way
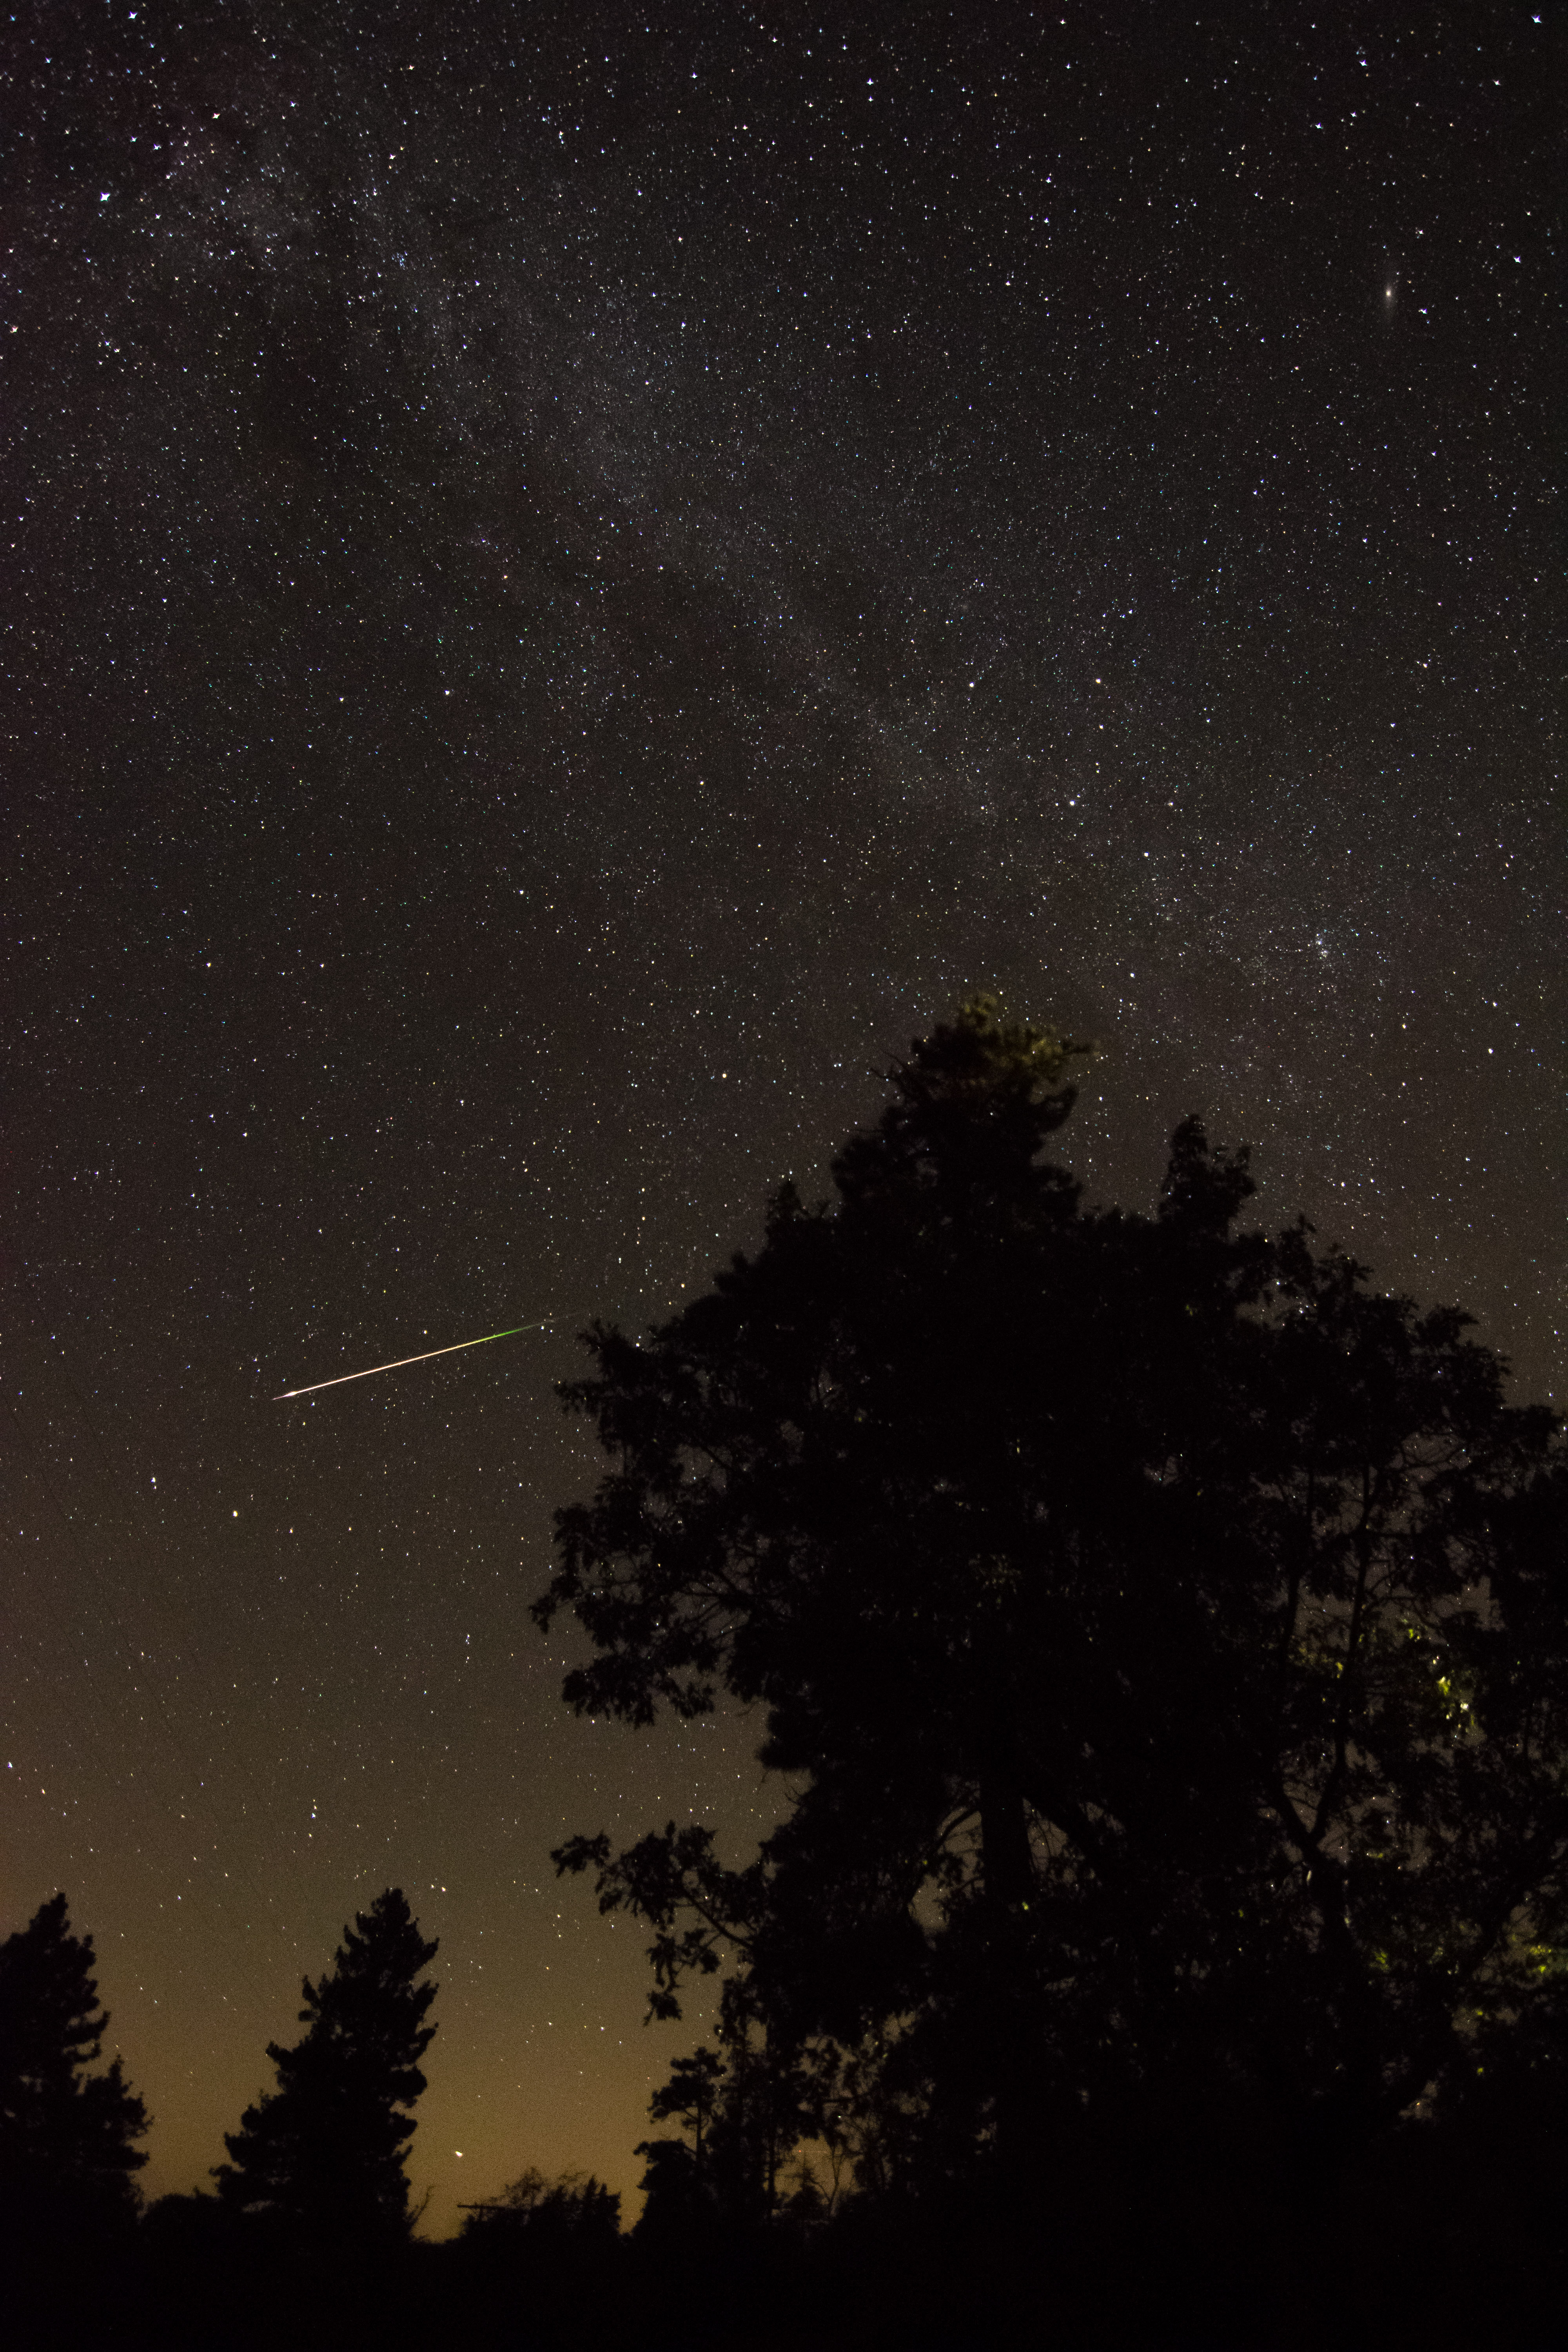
{"x": 572, "y": 583}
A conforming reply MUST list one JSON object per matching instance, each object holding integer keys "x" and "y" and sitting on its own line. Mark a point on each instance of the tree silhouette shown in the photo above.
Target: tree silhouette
{"x": 676, "y": 2184}
{"x": 747, "y": 2106}
{"x": 569, "y": 2216}
{"x": 1166, "y": 1629}
{"x": 323, "y": 2154}
{"x": 67, "y": 2135}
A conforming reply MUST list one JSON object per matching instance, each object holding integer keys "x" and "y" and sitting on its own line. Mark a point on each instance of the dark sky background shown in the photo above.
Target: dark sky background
{"x": 575, "y": 576}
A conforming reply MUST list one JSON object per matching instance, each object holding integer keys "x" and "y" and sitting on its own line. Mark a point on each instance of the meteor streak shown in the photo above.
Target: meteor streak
{"x": 398, "y": 1362}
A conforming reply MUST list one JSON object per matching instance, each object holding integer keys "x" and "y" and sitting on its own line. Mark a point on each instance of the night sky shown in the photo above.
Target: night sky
{"x": 573, "y": 579}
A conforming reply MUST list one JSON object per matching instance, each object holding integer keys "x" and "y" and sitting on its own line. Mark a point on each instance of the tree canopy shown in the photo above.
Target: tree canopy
{"x": 1165, "y": 1631}
{"x": 324, "y": 2153}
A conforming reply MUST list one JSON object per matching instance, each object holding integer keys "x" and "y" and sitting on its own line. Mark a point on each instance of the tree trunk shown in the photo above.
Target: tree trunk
{"x": 1005, "y": 1859}
{"x": 1008, "y": 1870}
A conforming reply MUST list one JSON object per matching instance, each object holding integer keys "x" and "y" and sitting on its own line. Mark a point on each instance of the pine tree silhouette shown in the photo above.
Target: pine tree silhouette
{"x": 66, "y": 2137}
{"x": 324, "y": 2153}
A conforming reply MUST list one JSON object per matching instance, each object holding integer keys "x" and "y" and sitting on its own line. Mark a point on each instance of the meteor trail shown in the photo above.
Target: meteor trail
{"x": 398, "y": 1362}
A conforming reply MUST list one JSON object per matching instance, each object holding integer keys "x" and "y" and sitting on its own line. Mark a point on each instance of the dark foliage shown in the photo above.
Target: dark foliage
{"x": 744, "y": 2109}
{"x": 323, "y": 2155}
{"x": 67, "y": 2136}
{"x": 543, "y": 2220}
{"x": 69, "y": 2157}
{"x": 1417, "y": 2252}
{"x": 1167, "y": 1631}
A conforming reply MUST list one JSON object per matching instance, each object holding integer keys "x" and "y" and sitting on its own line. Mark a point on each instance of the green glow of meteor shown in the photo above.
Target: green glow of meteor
{"x": 398, "y": 1362}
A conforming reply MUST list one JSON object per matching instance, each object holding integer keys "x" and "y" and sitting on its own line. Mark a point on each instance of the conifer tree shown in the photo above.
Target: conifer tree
{"x": 67, "y": 2135}
{"x": 323, "y": 2154}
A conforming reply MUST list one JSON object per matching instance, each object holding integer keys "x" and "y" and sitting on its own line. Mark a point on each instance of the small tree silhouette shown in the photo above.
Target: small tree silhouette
{"x": 324, "y": 2153}
{"x": 550, "y": 2219}
{"x": 690, "y": 2093}
{"x": 66, "y": 2137}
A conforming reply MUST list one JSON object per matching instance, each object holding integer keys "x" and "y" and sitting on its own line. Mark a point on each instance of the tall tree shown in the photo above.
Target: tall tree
{"x": 1166, "y": 1629}
{"x": 67, "y": 2135}
{"x": 324, "y": 2153}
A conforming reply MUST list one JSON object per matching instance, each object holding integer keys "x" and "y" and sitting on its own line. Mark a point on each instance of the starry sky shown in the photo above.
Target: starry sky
{"x": 575, "y": 576}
